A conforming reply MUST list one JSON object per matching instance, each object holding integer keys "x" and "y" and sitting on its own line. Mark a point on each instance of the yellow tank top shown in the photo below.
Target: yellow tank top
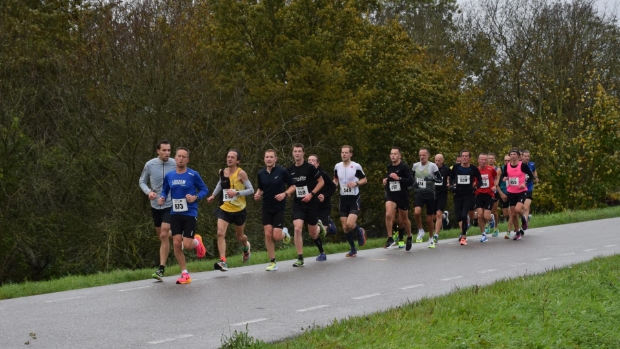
{"x": 236, "y": 203}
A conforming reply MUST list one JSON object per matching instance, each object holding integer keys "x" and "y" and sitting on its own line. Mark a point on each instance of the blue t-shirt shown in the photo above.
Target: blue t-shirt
{"x": 532, "y": 166}
{"x": 181, "y": 184}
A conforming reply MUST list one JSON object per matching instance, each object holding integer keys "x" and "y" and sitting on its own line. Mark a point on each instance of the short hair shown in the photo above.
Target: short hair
{"x": 163, "y": 141}
{"x": 183, "y": 148}
{"x": 465, "y": 151}
{"x": 299, "y": 145}
{"x": 349, "y": 147}
{"x": 271, "y": 151}
{"x": 427, "y": 152}
{"x": 236, "y": 152}
{"x": 397, "y": 148}
{"x": 525, "y": 151}
{"x": 514, "y": 150}
{"x": 483, "y": 154}
{"x": 316, "y": 156}
{"x": 491, "y": 154}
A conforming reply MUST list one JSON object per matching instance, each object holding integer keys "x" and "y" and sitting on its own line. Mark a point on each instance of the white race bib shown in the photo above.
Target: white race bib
{"x": 463, "y": 179}
{"x": 485, "y": 181}
{"x": 421, "y": 182}
{"x": 344, "y": 190}
{"x": 439, "y": 184}
{"x": 179, "y": 205}
{"x": 301, "y": 191}
{"x": 226, "y": 197}
{"x": 394, "y": 186}
{"x": 513, "y": 181}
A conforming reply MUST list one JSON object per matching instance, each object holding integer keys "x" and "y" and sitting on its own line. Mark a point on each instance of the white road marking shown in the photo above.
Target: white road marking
{"x": 452, "y": 278}
{"x": 486, "y": 271}
{"x": 590, "y": 249}
{"x": 367, "y": 296}
{"x": 249, "y": 322}
{"x": 567, "y": 254}
{"x": 517, "y": 264}
{"x": 610, "y": 245}
{"x": 247, "y": 272}
{"x": 312, "y": 308}
{"x": 63, "y": 299}
{"x": 135, "y": 288}
{"x": 412, "y": 286}
{"x": 544, "y": 259}
{"x": 171, "y": 339}
{"x": 378, "y": 259}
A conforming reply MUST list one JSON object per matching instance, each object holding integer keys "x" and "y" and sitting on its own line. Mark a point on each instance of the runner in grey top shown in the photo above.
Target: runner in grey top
{"x": 153, "y": 174}
{"x": 425, "y": 174}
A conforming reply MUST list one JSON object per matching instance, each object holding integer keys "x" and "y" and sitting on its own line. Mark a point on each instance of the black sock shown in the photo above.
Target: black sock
{"x": 350, "y": 239}
{"x": 464, "y": 227}
{"x": 300, "y": 257}
{"x": 273, "y": 260}
{"x": 319, "y": 244}
{"x": 162, "y": 268}
{"x": 401, "y": 234}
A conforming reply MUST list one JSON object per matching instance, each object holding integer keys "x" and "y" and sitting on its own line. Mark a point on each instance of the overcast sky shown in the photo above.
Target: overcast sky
{"x": 603, "y": 5}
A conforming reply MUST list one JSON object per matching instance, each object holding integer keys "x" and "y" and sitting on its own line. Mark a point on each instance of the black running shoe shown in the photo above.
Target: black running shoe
{"x": 408, "y": 245}
{"x": 389, "y": 243}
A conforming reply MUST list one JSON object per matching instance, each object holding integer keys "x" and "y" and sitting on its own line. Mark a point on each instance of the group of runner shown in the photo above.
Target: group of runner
{"x": 175, "y": 190}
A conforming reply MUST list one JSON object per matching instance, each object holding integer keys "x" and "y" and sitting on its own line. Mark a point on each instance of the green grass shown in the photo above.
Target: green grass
{"x": 573, "y": 307}
{"x": 260, "y": 257}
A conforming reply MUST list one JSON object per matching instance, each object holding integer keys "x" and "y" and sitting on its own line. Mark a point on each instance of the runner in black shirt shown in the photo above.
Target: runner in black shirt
{"x": 308, "y": 182}
{"x": 325, "y": 198}
{"x": 462, "y": 178}
{"x": 399, "y": 178}
{"x": 271, "y": 188}
{"x": 441, "y": 196}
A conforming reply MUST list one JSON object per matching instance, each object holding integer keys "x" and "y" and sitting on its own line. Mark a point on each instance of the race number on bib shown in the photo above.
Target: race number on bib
{"x": 513, "y": 181}
{"x": 463, "y": 179}
{"x": 226, "y": 197}
{"x": 421, "y": 182}
{"x": 179, "y": 205}
{"x": 485, "y": 181}
{"x": 394, "y": 186}
{"x": 346, "y": 191}
{"x": 301, "y": 191}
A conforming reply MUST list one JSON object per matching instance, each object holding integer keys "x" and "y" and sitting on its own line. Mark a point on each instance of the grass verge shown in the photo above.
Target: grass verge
{"x": 8, "y": 291}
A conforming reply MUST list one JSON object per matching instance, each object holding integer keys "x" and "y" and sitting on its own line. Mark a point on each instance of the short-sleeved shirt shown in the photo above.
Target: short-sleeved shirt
{"x": 328, "y": 189}
{"x": 445, "y": 174}
{"x": 463, "y": 178}
{"x": 273, "y": 183}
{"x": 423, "y": 171}
{"x": 487, "y": 185}
{"x": 346, "y": 174}
{"x": 305, "y": 178}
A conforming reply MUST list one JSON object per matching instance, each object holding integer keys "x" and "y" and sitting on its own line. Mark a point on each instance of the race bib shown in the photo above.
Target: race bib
{"x": 421, "y": 182}
{"x": 463, "y": 179}
{"x": 179, "y": 205}
{"x": 301, "y": 191}
{"x": 513, "y": 181}
{"x": 439, "y": 184}
{"x": 226, "y": 197}
{"x": 485, "y": 181}
{"x": 394, "y": 186}
{"x": 346, "y": 191}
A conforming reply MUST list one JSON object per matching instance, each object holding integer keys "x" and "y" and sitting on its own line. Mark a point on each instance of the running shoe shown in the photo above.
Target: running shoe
{"x": 201, "y": 251}
{"x": 272, "y": 267}
{"x": 361, "y": 237}
{"x": 484, "y": 238}
{"x": 523, "y": 223}
{"x": 351, "y": 254}
{"x": 159, "y": 274}
{"x": 331, "y": 228}
{"x": 184, "y": 279}
{"x": 395, "y": 236}
{"x": 487, "y": 229}
{"x": 431, "y": 244}
{"x": 517, "y": 237}
{"x": 435, "y": 238}
{"x": 389, "y": 243}
{"x": 401, "y": 244}
{"x": 420, "y": 237}
{"x": 322, "y": 230}
{"x": 463, "y": 241}
{"x": 521, "y": 232}
{"x": 247, "y": 253}
{"x": 492, "y": 221}
{"x": 287, "y": 236}
{"x": 221, "y": 266}
{"x": 507, "y": 236}
{"x": 321, "y": 258}
{"x": 299, "y": 263}
{"x": 408, "y": 246}
{"x": 495, "y": 233}
{"x": 529, "y": 218}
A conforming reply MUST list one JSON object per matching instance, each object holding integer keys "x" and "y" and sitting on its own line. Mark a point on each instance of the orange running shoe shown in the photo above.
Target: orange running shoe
{"x": 184, "y": 279}
{"x": 201, "y": 250}
{"x": 463, "y": 241}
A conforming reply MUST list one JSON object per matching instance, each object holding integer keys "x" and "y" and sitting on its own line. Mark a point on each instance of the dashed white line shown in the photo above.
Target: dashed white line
{"x": 249, "y": 322}
{"x": 544, "y": 259}
{"x": 611, "y": 245}
{"x": 590, "y": 249}
{"x": 412, "y": 286}
{"x": 452, "y": 278}
{"x": 517, "y": 264}
{"x": 486, "y": 271}
{"x": 312, "y": 308}
{"x": 567, "y": 254}
{"x": 247, "y": 272}
{"x": 135, "y": 288}
{"x": 380, "y": 259}
{"x": 171, "y": 339}
{"x": 63, "y": 299}
{"x": 367, "y": 296}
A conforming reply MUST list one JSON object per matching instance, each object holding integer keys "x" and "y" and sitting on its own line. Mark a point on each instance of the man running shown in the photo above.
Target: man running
{"x": 308, "y": 182}
{"x": 494, "y": 224}
{"x": 462, "y": 177}
{"x": 399, "y": 178}
{"x": 425, "y": 174}
{"x": 185, "y": 187}
{"x": 485, "y": 194}
{"x": 154, "y": 172}
{"x": 525, "y": 219}
{"x": 349, "y": 176}
{"x": 325, "y": 198}
{"x": 441, "y": 195}
{"x": 518, "y": 174}
{"x": 503, "y": 195}
{"x": 271, "y": 188}
{"x": 235, "y": 186}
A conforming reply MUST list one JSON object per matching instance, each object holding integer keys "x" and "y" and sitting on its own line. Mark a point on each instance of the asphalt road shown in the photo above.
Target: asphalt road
{"x": 275, "y": 305}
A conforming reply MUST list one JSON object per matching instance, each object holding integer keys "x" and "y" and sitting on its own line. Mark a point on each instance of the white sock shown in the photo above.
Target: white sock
{"x": 196, "y": 243}
{"x": 185, "y": 271}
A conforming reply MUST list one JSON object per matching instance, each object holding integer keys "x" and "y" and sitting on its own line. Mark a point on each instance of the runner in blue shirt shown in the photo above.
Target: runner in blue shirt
{"x": 525, "y": 219}
{"x": 186, "y": 187}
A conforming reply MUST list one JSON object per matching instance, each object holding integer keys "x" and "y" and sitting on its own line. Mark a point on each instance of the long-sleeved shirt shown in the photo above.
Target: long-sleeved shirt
{"x": 154, "y": 172}
{"x": 181, "y": 184}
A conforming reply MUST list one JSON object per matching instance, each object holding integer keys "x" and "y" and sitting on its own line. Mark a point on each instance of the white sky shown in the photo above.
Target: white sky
{"x": 603, "y": 5}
